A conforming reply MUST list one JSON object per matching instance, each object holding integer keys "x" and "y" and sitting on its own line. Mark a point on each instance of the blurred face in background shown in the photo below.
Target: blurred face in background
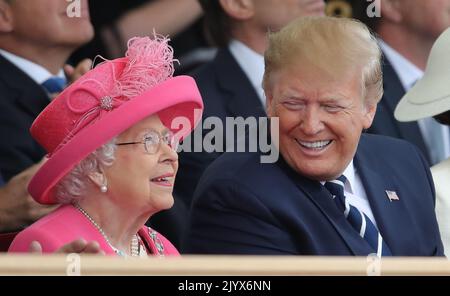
{"x": 275, "y": 14}
{"x": 429, "y": 17}
{"x": 47, "y": 23}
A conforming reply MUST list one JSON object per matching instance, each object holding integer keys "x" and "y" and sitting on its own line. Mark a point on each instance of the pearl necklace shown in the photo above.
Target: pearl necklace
{"x": 135, "y": 245}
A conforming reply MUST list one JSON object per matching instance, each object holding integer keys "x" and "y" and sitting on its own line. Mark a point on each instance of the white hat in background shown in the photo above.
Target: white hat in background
{"x": 430, "y": 96}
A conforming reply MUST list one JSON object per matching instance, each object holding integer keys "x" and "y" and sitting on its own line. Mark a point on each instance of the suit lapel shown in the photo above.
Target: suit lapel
{"x": 393, "y": 92}
{"x": 33, "y": 99}
{"x": 243, "y": 99}
{"x": 392, "y": 86}
{"x": 322, "y": 199}
{"x": 392, "y": 217}
{"x": 30, "y": 96}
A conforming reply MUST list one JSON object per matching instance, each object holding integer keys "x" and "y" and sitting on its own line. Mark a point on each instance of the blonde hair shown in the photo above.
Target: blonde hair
{"x": 335, "y": 45}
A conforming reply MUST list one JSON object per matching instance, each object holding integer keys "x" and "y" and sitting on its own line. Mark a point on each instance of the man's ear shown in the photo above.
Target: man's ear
{"x": 238, "y": 9}
{"x": 370, "y": 111}
{"x": 391, "y": 10}
{"x": 6, "y": 17}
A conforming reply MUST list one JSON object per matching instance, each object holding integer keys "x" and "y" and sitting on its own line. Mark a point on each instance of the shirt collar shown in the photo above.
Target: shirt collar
{"x": 36, "y": 72}
{"x": 349, "y": 174}
{"x": 407, "y": 72}
{"x": 251, "y": 62}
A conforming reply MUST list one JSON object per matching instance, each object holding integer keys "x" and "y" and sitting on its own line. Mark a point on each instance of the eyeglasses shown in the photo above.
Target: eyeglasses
{"x": 152, "y": 141}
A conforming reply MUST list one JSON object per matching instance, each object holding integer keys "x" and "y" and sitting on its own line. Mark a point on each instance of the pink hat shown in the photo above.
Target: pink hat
{"x": 108, "y": 100}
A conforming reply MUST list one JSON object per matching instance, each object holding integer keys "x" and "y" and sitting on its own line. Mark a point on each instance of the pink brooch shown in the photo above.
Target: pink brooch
{"x": 106, "y": 103}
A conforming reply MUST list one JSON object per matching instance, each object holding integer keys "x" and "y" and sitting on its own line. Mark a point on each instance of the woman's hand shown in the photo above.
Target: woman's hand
{"x": 79, "y": 246}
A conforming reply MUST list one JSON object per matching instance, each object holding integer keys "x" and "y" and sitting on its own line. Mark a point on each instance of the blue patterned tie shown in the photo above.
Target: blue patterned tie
{"x": 360, "y": 222}
{"x": 54, "y": 84}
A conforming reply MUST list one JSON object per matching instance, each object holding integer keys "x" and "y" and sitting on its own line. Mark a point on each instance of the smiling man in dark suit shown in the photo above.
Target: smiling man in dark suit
{"x": 334, "y": 191}
{"x": 231, "y": 83}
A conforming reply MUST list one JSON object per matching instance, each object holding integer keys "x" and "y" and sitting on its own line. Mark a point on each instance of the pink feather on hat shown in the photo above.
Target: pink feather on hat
{"x": 150, "y": 62}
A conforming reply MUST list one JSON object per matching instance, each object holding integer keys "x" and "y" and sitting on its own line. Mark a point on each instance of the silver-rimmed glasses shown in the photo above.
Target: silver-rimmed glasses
{"x": 152, "y": 141}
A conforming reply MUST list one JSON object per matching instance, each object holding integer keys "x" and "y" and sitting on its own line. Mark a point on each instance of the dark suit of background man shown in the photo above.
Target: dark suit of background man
{"x": 407, "y": 30}
{"x": 231, "y": 83}
{"x": 333, "y": 191}
{"x": 36, "y": 39}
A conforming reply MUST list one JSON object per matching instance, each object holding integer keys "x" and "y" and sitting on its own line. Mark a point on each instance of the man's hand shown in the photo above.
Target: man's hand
{"x": 74, "y": 73}
{"x": 17, "y": 208}
{"x": 79, "y": 246}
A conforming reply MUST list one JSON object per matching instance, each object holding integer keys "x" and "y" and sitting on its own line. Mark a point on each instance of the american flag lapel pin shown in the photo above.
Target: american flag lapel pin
{"x": 392, "y": 195}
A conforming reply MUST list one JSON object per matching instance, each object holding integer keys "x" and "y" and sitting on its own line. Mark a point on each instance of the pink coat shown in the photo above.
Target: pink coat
{"x": 67, "y": 224}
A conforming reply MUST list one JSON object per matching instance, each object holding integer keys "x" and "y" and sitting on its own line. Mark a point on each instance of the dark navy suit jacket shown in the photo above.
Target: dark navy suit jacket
{"x": 21, "y": 100}
{"x": 244, "y": 207}
{"x": 385, "y": 122}
{"x": 226, "y": 92}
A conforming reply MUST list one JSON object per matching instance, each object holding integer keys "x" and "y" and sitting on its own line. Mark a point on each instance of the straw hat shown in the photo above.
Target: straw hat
{"x": 430, "y": 95}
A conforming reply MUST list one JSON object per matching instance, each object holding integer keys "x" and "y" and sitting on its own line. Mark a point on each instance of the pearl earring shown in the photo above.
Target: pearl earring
{"x": 103, "y": 188}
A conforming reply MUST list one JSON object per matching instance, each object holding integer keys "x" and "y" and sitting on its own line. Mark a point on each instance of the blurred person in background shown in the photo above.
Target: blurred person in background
{"x": 36, "y": 39}
{"x": 116, "y": 21}
{"x": 407, "y": 30}
{"x": 430, "y": 98}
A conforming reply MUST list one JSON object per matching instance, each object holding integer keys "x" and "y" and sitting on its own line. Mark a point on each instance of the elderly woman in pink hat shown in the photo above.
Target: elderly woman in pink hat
{"x": 112, "y": 138}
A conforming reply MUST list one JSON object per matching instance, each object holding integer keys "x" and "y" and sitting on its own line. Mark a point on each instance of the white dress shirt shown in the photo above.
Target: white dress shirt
{"x": 409, "y": 74}
{"x": 355, "y": 193}
{"x": 252, "y": 63}
{"x": 36, "y": 72}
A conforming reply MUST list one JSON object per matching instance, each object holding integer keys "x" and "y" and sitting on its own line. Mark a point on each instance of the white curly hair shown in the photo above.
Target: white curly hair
{"x": 76, "y": 184}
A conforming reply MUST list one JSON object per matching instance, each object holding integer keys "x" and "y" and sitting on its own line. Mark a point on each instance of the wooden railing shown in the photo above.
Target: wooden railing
{"x": 219, "y": 265}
